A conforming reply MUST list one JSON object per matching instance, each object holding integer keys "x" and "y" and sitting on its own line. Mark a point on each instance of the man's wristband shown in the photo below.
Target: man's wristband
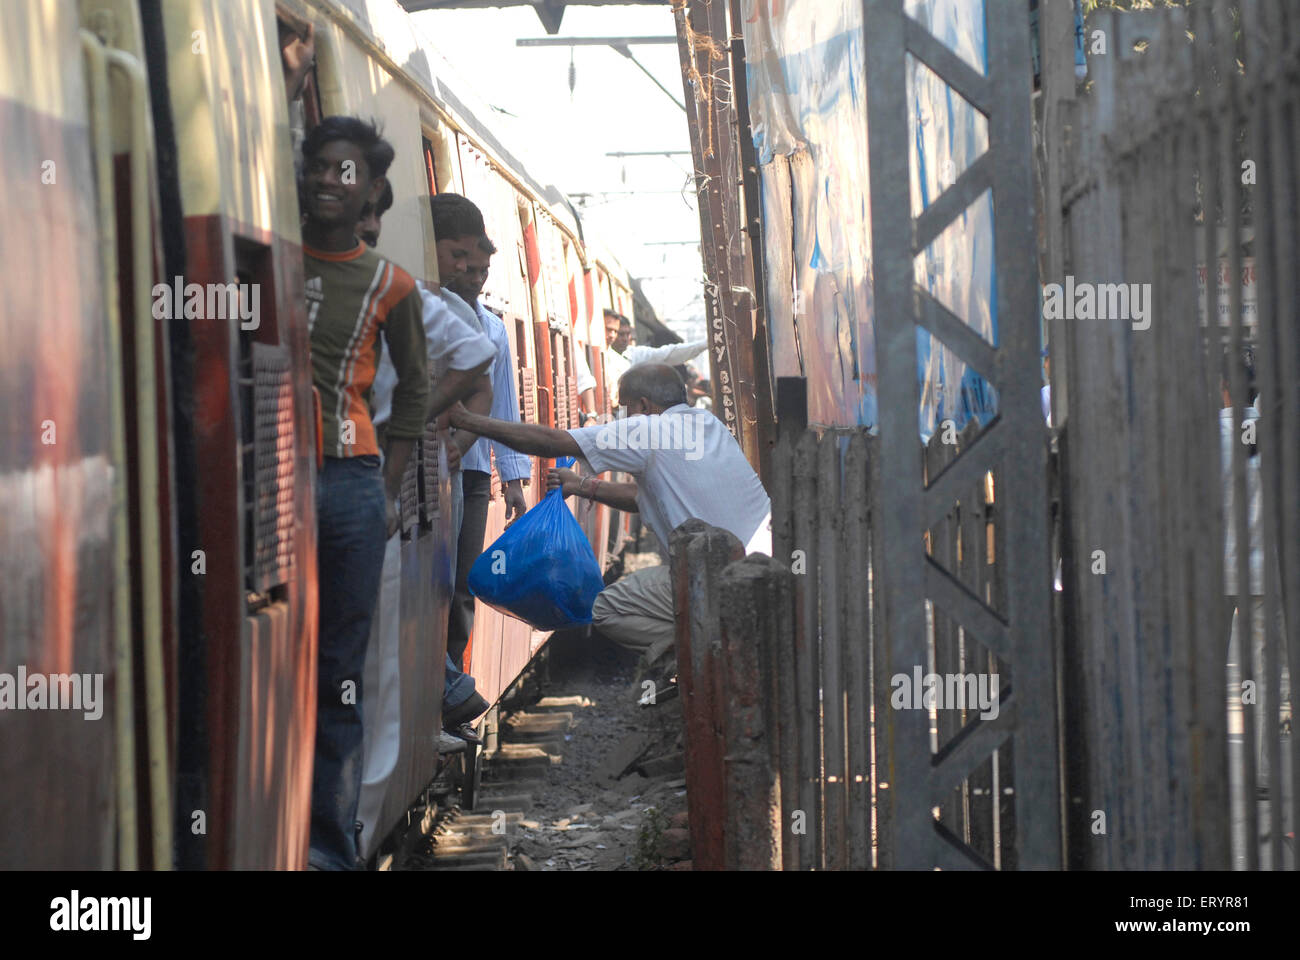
{"x": 594, "y": 484}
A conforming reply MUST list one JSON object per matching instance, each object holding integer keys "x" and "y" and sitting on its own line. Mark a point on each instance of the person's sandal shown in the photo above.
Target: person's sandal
{"x": 467, "y": 733}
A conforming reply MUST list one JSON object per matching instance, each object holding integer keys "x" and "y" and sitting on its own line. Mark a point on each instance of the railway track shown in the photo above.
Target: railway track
{"x": 532, "y": 741}
{"x": 586, "y": 778}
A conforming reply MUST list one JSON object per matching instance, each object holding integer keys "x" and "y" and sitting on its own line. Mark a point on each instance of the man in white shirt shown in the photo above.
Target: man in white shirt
{"x": 623, "y": 354}
{"x": 476, "y": 464}
{"x": 686, "y": 464}
{"x": 458, "y": 352}
{"x": 586, "y": 385}
{"x": 460, "y": 357}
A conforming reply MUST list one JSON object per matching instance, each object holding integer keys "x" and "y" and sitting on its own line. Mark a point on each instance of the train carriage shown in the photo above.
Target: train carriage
{"x": 166, "y": 541}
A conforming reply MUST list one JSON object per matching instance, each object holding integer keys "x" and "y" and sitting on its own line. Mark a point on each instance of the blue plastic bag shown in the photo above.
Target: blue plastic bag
{"x": 541, "y": 570}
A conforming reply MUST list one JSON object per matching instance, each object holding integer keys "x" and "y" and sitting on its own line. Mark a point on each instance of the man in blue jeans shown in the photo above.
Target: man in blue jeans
{"x": 353, "y": 296}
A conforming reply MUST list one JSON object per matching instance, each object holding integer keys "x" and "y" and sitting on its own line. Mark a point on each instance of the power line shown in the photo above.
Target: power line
{"x": 589, "y": 41}
{"x": 614, "y": 193}
{"x": 621, "y": 44}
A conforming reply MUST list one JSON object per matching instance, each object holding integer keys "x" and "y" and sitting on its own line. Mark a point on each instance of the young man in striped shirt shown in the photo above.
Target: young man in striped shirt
{"x": 354, "y": 297}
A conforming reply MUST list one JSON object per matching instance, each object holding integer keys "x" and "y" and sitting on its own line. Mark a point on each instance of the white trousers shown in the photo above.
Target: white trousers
{"x": 636, "y": 612}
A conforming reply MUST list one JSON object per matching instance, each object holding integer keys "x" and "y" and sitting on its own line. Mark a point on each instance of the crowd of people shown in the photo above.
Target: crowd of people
{"x": 391, "y": 355}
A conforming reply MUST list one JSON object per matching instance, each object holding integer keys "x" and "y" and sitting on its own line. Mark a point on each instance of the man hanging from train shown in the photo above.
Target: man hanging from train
{"x": 461, "y": 358}
{"x": 685, "y": 464}
{"x": 623, "y": 352}
{"x": 476, "y": 466}
{"x": 353, "y": 296}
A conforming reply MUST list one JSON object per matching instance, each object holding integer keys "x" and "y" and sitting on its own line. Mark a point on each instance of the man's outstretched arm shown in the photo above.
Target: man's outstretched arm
{"x": 530, "y": 438}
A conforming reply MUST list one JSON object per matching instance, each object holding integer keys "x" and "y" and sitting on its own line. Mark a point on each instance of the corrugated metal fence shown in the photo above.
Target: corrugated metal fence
{"x": 789, "y": 697}
{"x": 805, "y": 715}
{"x": 1176, "y": 169}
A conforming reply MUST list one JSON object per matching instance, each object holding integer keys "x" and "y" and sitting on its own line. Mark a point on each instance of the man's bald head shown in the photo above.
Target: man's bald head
{"x": 651, "y": 388}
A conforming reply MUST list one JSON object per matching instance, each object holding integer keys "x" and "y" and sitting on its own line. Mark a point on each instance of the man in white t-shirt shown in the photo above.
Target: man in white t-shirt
{"x": 622, "y": 354}
{"x": 686, "y": 464}
{"x": 461, "y": 360}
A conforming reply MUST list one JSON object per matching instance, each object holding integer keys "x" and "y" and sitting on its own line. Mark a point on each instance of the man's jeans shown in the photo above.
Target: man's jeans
{"x": 458, "y": 687}
{"x": 349, "y": 557}
{"x": 477, "y": 489}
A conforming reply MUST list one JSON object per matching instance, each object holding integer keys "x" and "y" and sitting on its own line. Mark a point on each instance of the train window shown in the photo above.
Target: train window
{"x": 430, "y": 167}
{"x": 266, "y": 440}
{"x": 562, "y": 382}
{"x": 521, "y": 341}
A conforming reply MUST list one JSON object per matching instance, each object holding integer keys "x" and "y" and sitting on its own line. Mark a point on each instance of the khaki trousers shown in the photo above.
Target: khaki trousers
{"x": 636, "y": 612}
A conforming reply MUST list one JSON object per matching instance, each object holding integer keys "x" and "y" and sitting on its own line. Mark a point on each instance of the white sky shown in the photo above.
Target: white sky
{"x": 563, "y": 139}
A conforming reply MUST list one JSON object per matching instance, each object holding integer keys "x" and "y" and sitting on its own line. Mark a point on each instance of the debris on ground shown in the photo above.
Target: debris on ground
{"x": 588, "y": 774}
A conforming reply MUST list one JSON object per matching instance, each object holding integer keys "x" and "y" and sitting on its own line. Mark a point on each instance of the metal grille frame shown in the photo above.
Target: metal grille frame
{"x": 1014, "y": 446}
{"x": 273, "y": 466}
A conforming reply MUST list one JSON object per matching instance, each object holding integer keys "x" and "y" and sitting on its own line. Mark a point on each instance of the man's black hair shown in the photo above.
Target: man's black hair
{"x": 384, "y": 204}
{"x": 487, "y": 246}
{"x": 377, "y": 151}
{"x": 455, "y": 216}
{"x": 385, "y": 201}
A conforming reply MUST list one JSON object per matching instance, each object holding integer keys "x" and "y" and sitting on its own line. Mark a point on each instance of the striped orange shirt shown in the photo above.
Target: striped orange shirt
{"x": 353, "y": 297}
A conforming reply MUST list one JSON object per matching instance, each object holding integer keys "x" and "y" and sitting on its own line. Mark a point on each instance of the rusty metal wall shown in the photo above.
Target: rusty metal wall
{"x": 862, "y": 629}
{"x": 62, "y": 480}
{"x": 1179, "y": 160}
{"x": 810, "y": 750}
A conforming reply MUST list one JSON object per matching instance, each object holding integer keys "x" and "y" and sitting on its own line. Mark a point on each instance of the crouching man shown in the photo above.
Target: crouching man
{"x": 685, "y": 464}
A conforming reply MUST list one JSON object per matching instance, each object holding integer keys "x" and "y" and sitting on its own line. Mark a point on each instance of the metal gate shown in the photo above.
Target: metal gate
{"x": 1016, "y": 628}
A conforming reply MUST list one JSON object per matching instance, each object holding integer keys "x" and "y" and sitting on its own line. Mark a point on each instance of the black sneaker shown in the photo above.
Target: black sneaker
{"x": 467, "y": 733}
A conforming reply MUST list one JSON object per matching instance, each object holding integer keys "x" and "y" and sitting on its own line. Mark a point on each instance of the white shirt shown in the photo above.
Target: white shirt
{"x": 585, "y": 380}
{"x": 453, "y": 341}
{"x": 617, "y": 364}
{"x": 1230, "y": 434}
{"x": 511, "y": 465}
{"x": 686, "y": 464}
